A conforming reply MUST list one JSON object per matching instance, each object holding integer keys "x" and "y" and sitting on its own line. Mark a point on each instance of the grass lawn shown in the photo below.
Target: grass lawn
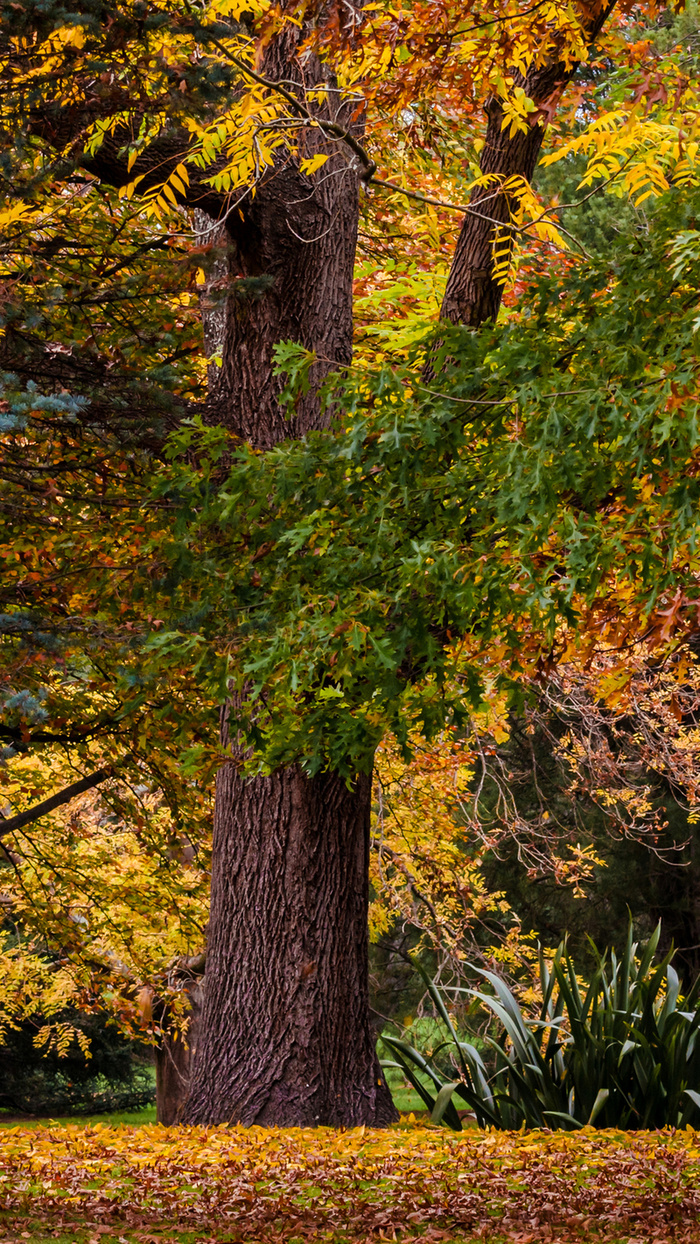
{"x": 99, "y": 1184}
{"x": 132, "y": 1118}
{"x": 406, "y": 1101}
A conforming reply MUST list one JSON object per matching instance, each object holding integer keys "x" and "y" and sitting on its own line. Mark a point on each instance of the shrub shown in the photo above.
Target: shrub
{"x": 621, "y": 1052}
{"x": 32, "y": 1081}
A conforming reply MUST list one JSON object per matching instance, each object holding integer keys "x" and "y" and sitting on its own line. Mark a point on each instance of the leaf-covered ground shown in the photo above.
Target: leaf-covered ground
{"x": 101, "y": 1184}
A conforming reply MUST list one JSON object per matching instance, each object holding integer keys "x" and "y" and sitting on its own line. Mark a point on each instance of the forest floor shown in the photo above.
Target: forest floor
{"x": 101, "y": 1184}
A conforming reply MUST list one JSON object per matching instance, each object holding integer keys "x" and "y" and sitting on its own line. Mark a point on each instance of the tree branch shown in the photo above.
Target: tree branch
{"x": 10, "y": 824}
{"x": 328, "y": 127}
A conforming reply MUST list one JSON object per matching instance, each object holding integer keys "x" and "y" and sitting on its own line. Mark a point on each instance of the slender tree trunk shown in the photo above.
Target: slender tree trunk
{"x": 174, "y": 1058}
{"x": 473, "y": 294}
{"x": 285, "y": 1037}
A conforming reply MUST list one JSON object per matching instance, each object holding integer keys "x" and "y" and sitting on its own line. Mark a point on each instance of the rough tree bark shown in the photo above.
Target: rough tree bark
{"x": 285, "y": 1035}
{"x": 174, "y": 1058}
{"x": 287, "y": 275}
{"x": 472, "y": 295}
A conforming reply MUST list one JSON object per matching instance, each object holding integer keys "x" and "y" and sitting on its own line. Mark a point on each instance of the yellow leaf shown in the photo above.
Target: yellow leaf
{"x": 313, "y": 163}
{"x": 144, "y": 1002}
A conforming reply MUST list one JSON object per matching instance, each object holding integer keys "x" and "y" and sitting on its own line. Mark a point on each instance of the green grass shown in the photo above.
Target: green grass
{"x": 405, "y": 1099}
{"x": 133, "y": 1117}
{"x": 426, "y": 1031}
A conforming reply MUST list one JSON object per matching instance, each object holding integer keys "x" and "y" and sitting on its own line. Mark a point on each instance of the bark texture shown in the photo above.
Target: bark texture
{"x": 285, "y": 273}
{"x": 286, "y": 1037}
{"x": 472, "y": 295}
{"x": 174, "y": 1058}
{"x": 287, "y": 250}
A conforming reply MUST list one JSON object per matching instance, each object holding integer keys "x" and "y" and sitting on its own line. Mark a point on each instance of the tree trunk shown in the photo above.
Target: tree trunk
{"x": 285, "y": 274}
{"x": 285, "y": 1037}
{"x": 473, "y": 295}
{"x": 174, "y": 1058}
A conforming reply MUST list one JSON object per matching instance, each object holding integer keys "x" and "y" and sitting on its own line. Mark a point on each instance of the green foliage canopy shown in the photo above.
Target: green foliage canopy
{"x": 382, "y": 575}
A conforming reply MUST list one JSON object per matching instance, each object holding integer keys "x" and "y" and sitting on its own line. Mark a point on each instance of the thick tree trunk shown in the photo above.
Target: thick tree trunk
{"x": 285, "y": 275}
{"x": 286, "y": 1037}
{"x": 473, "y": 294}
{"x": 283, "y": 289}
{"x": 285, "y": 1031}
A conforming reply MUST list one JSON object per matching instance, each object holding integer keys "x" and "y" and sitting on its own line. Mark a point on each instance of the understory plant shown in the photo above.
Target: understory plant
{"x": 622, "y": 1051}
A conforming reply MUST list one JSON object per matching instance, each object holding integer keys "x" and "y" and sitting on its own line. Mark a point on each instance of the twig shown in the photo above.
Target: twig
{"x": 328, "y": 127}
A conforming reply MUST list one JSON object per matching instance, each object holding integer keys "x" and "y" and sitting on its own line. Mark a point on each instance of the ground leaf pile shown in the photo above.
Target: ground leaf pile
{"x": 407, "y": 1183}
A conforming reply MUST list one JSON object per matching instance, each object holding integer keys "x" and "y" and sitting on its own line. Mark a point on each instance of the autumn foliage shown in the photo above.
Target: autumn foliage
{"x": 492, "y": 511}
{"x": 255, "y": 1186}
